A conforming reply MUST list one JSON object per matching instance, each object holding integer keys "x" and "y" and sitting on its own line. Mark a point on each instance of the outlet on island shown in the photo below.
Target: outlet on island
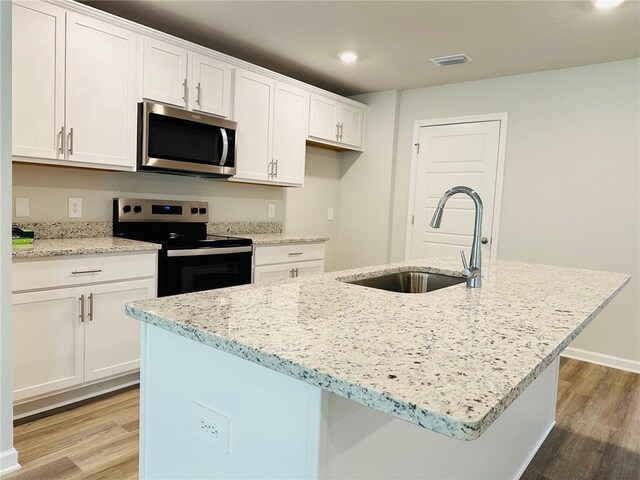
{"x": 211, "y": 427}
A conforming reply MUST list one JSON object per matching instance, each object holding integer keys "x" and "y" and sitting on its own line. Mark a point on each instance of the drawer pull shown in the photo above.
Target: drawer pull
{"x": 81, "y": 308}
{"x": 78, "y": 272}
{"x": 295, "y": 253}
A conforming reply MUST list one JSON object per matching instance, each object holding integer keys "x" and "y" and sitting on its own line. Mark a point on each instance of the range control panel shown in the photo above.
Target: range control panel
{"x": 147, "y": 210}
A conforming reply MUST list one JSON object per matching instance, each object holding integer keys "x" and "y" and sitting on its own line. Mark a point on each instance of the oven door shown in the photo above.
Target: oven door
{"x": 179, "y": 141}
{"x": 193, "y": 270}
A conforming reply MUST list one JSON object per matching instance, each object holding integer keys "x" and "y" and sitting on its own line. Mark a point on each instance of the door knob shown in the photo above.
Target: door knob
{"x": 484, "y": 240}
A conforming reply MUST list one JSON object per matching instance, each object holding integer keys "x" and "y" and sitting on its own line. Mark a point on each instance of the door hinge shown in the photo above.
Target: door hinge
{"x": 418, "y": 147}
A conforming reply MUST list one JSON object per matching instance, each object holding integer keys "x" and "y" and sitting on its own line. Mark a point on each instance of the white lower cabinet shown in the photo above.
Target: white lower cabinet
{"x": 275, "y": 263}
{"x": 65, "y": 336}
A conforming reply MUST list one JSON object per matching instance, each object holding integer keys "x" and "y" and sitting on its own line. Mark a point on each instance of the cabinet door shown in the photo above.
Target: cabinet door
{"x": 112, "y": 339}
{"x": 351, "y": 121}
{"x": 323, "y": 118}
{"x": 290, "y": 117}
{"x": 38, "y": 80}
{"x": 164, "y": 73}
{"x": 210, "y": 86}
{"x": 272, "y": 273}
{"x": 252, "y": 109}
{"x": 303, "y": 269}
{"x": 101, "y": 104}
{"x": 48, "y": 341}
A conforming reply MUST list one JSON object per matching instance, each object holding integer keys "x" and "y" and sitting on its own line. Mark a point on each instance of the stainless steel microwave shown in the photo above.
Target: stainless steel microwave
{"x": 173, "y": 140}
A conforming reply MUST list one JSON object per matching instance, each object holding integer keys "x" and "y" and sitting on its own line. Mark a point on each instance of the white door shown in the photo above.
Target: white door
{"x": 210, "y": 86}
{"x": 164, "y": 73}
{"x": 38, "y": 80}
{"x": 272, "y": 273}
{"x": 450, "y": 155}
{"x": 302, "y": 269}
{"x": 351, "y": 125}
{"x": 323, "y": 118}
{"x": 290, "y": 117}
{"x": 101, "y": 104}
{"x": 112, "y": 339}
{"x": 48, "y": 341}
{"x": 253, "y": 109}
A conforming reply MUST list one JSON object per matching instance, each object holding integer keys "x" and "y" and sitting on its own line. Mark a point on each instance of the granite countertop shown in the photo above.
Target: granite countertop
{"x": 450, "y": 361}
{"x": 279, "y": 238}
{"x": 79, "y": 246}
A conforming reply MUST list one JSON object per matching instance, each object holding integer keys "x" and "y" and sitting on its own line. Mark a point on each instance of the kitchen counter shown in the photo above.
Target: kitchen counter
{"x": 279, "y": 238}
{"x": 450, "y": 361}
{"x": 79, "y": 246}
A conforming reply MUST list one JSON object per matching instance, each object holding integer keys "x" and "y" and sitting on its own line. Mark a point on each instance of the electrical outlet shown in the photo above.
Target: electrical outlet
{"x": 75, "y": 207}
{"x": 22, "y": 207}
{"x": 211, "y": 427}
{"x": 271, "y": 211}
{"x": 330, "y": 214}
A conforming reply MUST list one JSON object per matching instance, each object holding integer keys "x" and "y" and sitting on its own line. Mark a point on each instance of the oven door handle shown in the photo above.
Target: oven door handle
{"x": 225, "y": 147}
{"x": 198, "y": 252}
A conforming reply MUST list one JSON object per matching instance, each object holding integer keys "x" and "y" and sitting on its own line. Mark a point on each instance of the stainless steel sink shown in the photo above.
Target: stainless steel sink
{"x": 409, "y": 282}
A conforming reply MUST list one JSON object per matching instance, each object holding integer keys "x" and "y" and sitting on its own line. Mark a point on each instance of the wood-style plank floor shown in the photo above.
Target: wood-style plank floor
{"x": 597, "y": 435}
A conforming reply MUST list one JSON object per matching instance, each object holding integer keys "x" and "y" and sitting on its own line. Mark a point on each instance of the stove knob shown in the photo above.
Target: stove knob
{"x": 203, "y": 211}
{"x": 137, "y": 209}
{"x": 126, "y": 208}
{"x": 194, "y": 210}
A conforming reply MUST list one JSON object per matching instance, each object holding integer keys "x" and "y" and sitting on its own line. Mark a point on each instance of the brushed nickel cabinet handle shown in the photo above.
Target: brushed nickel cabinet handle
{"x": 70, "y": 147}
{"x": 61, "y": 143}
{"x": 341, "y": 130}
{"x": 276, "y": 174}
{"x": 199, "y": 89}
{"x": 270, "y": 169}
{"x": 337, "y": 131}
{"x": 184, "y": 96}
{"x": 90, "y": 314}
{"x": 81, "y": 299}
{"x": 79, "y": 272}
{"x": 294, "y": 253}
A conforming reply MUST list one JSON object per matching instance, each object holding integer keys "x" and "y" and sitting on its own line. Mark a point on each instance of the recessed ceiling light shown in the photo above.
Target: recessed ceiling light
{"x": 451, "y": 59}
{"x": 348, "y": 57}
{"x": 607, "y": 4}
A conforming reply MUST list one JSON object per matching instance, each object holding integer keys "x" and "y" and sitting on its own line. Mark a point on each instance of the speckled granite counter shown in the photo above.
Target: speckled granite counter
{"x": 450, "y": 361}
{"x": 79, "y": 246}
{"x": 279, "y": 238}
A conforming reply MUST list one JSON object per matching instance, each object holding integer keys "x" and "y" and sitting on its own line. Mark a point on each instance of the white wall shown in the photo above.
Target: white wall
{"x": 306, "y": 208}
{"x": 365, "y": 188}
{"x": 8, "y": 457}
{"x": 49, "y": 188}
{"x": 571, "y": 194}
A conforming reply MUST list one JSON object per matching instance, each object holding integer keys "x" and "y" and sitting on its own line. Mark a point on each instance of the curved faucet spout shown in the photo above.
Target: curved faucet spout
{"x": 474, "y": 271}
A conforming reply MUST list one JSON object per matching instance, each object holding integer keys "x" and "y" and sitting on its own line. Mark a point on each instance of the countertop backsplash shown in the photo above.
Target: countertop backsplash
{"x": 52, "y": 230}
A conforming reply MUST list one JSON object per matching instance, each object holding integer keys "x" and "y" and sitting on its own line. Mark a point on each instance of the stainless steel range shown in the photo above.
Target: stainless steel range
{"x": 190, "y": 260}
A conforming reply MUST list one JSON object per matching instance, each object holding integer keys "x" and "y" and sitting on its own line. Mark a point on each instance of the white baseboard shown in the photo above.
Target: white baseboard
{"x": 601, "y": 359}
{"x": 9, "y": 461}
{"x": 534, "y": 451}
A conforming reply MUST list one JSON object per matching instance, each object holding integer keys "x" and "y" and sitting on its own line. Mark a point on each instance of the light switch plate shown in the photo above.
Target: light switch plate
{"x": 330, "y": 214}
{"x": 22, "y": 207}
{"x": 271, "y": 211}
{"x": 75, "y": 207}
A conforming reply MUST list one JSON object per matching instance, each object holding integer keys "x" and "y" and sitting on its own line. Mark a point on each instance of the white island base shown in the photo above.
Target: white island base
{"x": 209, "y": 414}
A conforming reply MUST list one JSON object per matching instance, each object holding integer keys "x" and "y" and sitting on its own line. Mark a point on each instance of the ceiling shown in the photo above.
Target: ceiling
{"x": 394, "y": 39}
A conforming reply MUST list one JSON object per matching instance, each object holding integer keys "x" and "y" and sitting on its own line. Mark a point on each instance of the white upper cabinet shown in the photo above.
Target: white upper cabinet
{"x": 176, "y": 76}
{"x": 164, "y": 72}
{"x": 101, "y": 93}
{"x": 272, "y": 118}
{"x": 336, "y": 123}
{"x": 210, "y": 86}
{"x": 290, "y": 120}
{"x": 38, "y": 80}
{"x": 74, "y": 91}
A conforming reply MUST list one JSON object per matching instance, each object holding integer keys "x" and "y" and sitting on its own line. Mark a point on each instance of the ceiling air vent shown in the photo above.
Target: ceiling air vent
{"x": 451, "y": 59}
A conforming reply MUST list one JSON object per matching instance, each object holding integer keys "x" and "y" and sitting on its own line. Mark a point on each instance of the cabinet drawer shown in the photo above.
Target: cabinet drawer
{"x": 32, "y": 274}
{"x": 269, "y": 254}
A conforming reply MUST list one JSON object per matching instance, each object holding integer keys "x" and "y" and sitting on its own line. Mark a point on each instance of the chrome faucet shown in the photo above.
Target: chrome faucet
{"x": 473, "y": 272}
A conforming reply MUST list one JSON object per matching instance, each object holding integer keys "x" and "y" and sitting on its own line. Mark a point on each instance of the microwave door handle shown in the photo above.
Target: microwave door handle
{"x": 225, "y": 147}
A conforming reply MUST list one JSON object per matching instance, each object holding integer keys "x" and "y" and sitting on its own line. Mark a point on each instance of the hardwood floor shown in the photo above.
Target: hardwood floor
{"x": 597, "y": 435}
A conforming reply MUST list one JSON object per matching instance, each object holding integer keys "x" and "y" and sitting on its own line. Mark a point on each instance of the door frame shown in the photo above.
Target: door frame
{"x": 502, "y": 148}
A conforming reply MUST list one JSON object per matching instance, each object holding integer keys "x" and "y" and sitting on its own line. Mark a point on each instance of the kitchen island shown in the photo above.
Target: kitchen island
{"x": 319, "y": 378}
